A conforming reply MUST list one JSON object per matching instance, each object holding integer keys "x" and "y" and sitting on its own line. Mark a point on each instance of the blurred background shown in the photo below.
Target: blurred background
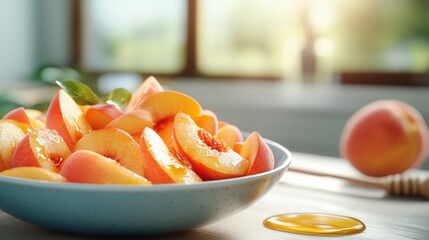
{"x": 295, "y": 70}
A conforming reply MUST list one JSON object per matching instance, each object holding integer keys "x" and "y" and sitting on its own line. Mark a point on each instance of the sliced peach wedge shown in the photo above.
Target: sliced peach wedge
{"x": 85, "y": 166}
{"x": 160, "y": 164}
{"x": 99, "y": 115}
{"x": 210, "y": 158}
{"x": 41, "y": 148}
{"x": 67, "y": 118}
{"x": 114, "y": 144}
{"x": 208, "y": 121}
{"x": 257, "y": 151}
{"x": 149, "y": 87}
{"x": 34, "y": 173}
{"x": 10, "y": 136}
{"x": 32, "y": 117}
{"x": 164, "y": 106}
{"x": 230, "y": 134}
{"x": 133, "y": 122}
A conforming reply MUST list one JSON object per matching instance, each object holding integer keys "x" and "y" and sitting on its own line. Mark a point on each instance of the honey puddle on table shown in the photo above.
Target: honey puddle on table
{"x": 315, "y": 224}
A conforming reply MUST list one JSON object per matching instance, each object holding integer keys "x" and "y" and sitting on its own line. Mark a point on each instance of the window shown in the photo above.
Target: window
{"x": 255, "y": 38}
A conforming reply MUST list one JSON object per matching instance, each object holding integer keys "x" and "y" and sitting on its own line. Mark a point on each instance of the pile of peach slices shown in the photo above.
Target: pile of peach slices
{"x": 159, "y": 137}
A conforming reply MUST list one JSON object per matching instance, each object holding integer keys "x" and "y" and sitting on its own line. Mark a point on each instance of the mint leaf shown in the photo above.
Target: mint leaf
{"x": 118, "y": 97}
{"x": 81, "y": 93}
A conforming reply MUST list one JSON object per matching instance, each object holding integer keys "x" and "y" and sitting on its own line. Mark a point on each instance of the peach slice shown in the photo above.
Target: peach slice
{"x": 230, "y": 134}
{"x": 149, "y": 87}
{"x": 257, "y": 151}
{"x": 42, "y": 148}
{"x": 85, "y": 166}
{"x": 32, "y": 117}
{"x": 208, "y": 121}
{"x": 10, "y": 136}
{"x": 165, "y": 105}
{"x": 34, "y": 173}
{"x": 132, "y": 122}
{"x": 210, "y": 158}
{"x": 115, "y": 144}
{"x": 99, "y": 115}
{"x": 26, "y": 128}
{"x": 66, "y": 117}
{"x": 161, "y": 165}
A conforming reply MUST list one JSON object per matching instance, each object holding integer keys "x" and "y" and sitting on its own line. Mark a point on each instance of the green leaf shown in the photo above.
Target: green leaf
{"x": 81, "y": 94}
{"x": 118, "y": 96}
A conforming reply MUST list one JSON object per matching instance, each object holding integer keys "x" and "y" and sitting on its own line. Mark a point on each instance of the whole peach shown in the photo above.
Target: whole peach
{"x": 385, "y": 137}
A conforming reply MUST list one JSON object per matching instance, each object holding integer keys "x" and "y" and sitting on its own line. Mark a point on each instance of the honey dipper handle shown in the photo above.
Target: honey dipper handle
{"x": 365, "y": 182}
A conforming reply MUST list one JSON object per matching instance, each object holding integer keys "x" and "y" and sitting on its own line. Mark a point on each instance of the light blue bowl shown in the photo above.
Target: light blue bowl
{"x": 112, "y": 209}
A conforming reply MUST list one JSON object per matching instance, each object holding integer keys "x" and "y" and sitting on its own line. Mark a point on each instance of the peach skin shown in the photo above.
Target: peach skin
{"x": 385, "y": 137}
{"x": 85, "y": 166}
{"x": 149, "y": 87}
{"x": 161, "y": 166}
{"x": 67, "y": 118}
{"x": 99, "y": 115}
{"x": 27, "y": 116}
{"x": 210, "y": 158}
{"x": 10, "y": 136}
{"x": 259, "y": 154}
{"x": 42, "y": 148}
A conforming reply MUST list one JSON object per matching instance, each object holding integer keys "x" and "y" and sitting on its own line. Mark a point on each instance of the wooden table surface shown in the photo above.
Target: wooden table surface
{"x": 385, "y": 217}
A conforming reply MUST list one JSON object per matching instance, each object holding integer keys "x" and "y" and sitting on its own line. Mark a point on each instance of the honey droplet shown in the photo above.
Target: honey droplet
{"x": 315, "y": 224}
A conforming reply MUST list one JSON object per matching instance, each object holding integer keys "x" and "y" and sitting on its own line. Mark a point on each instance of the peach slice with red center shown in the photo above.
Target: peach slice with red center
{"x": 257, "y": 151}
{"x": 133, "y": 122}
{"x": 99, "y": 115}
{"x": 160, "y": 164}
{"x": 208, "y": 121}
{"x": 210, "y": 158}
{"x": 115, "y": 144}
{"x": 230, "y": 134}
{"x": 41, "y": 148}
{"x": 67, "y": 118}
{"x": 32, "y": 117}
{"x": 149, "y": 87}
{"x": 34, "y": 173}
{"x": 10, "y": 136}
{"x": 85, "y": 166}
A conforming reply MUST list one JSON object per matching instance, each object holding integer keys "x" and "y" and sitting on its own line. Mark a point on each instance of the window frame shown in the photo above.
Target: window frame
{"x": 190, "y": 69}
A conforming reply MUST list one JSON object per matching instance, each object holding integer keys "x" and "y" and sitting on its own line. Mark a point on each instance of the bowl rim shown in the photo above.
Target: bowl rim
{"x": 153, "y": 188}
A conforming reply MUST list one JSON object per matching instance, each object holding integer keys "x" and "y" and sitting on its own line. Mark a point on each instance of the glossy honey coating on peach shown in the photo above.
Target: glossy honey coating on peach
{"x": 10, "y": 136}
{"x": 385, "y": 137}
{"x": 67, "y": 118}
{"x": 115, "y": 144}
{"x": 42, "y": 148}
{"x": 161, "y": 166}
{"x": 85, "y": 166}
{"x": 209, "y": 158}
{"x": 34, "y": 173}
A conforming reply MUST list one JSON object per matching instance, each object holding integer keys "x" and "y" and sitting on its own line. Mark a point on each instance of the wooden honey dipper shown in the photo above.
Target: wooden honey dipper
{"x": 395, "y": 185}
